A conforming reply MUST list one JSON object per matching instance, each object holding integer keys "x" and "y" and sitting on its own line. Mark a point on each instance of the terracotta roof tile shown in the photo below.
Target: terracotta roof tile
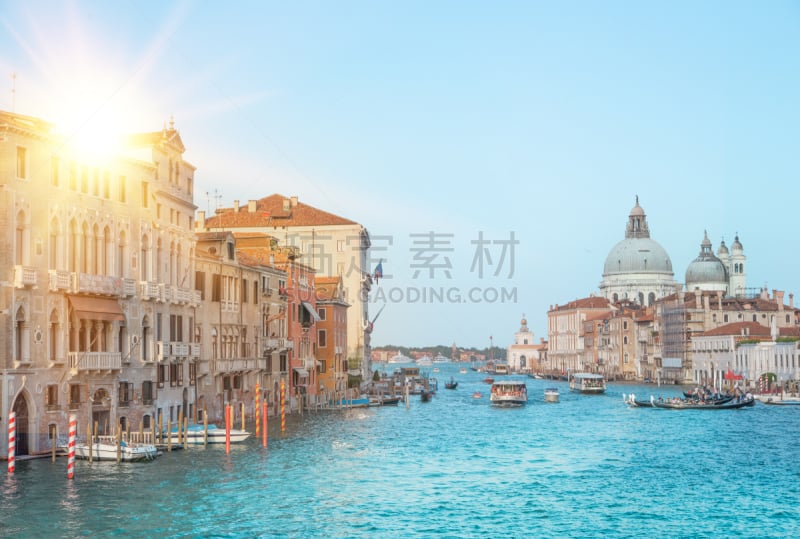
{"x": 273, "y": 211}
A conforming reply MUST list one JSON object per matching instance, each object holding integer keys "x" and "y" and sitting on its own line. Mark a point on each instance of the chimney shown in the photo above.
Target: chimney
{"x": 779, "y": 299}
{"x": 201, "y": 220}
{"x": 235, "y": 206}
{"x": 791, "y": 301}
{"x": 251, "y": 206}
{"x": 294, "y": 201}
{"x": 287, "y": 204}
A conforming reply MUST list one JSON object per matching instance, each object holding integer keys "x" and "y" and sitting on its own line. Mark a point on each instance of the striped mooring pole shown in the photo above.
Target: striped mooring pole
{"x": 12, "y": 440}
{"x": 73, "y": 432}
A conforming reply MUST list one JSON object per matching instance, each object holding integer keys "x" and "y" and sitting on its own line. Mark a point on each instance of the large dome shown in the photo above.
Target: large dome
{"x": 706, "y": 272}
{"x": 637, "y": 255}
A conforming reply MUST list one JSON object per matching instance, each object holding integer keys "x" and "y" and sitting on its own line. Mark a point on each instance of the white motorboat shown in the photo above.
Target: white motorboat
{"x": 106, "y": 450}
{"x": 586, "y": 382}
{"x": 195, "y": 434}
{"x": 551, "y": 394}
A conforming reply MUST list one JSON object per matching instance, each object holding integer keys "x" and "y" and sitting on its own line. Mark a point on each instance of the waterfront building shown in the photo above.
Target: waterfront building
{"x": 98, "y": 308}
{"x": 637, "y": 268}
{"x": 239, "y": 307}
{"x": 748, "y": 351}
{"x": 524, "y": 355}
{"x": 565, "y": 330}
{"x": 330, "y": 244}
{"x": 332, "y": 339}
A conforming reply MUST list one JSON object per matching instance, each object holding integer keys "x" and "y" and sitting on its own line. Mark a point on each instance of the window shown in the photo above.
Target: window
{"x": 55, "y": 166}
{"x": 125, "y": 393}
{"x": 192, "y": 373}
{"x": 245, "y": 290}
{"x": 145, "y": 195}
{"x": 147, "y": 392}
{"x": 76, "y": 396}
{"x": 22, "y": 163}
{"x": 51, "y": 397}
{"x": 122, "y": 192}
{"x": 216, "y": 287}
{"x": 200, "y": 283}
{"x": 322, "y": 314}
{"x": 255, "y": 292}
{"x": 625, "y": 339}
{"x": 175, "y": 374}
{"x": 162, "y": 375}
{"x": 624, "y": 324}
{"x": 339, "y": 246}
{"x": 322, "y": 338}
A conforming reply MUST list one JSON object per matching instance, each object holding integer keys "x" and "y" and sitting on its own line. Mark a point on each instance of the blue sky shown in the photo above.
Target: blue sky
{"x": 539, "y": 119}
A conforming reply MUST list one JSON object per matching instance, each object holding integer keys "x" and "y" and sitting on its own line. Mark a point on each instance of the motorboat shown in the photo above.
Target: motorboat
{"x": 587, "y": 382}
{"x": 509, "y": 393}
{"x": 102, "y": 449}
{"x": 440, "y": 358}
{"x": 196, "y": 434}
{"x": 400, "y": 358}
{"x": 551, "y": 394}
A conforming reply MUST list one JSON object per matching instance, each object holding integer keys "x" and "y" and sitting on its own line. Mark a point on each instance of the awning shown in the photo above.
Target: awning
{"x": 301, "y": 372}
{"x": 96, "y": 308}
{"x": 312, "y": 311}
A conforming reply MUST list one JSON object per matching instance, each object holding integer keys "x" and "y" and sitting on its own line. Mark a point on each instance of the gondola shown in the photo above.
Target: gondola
{"x": 452, "y": 384}
{"x": 688, "y": 405}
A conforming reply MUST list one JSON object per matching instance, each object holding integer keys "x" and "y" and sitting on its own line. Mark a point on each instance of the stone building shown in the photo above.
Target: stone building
{"x": 98, "y": 305}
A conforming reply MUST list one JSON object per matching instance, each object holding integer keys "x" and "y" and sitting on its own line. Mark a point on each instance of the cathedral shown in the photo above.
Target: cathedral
{"x": 639, "y": 270}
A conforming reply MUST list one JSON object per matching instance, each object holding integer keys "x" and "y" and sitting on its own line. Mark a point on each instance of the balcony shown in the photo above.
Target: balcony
{"x": 94, "y": 361}
{"x": 59, "y": 280}
{"x": 149, "y": 290}
{"x": 128, "y": 288}
{"x": 102, "y": 285}
{"x": 223, "y": 366}
{"x": 25, "y": 276}
{"x": 162, "y": 351}
{"x": 194, "y": 351}
{"x": 280, "y": 344}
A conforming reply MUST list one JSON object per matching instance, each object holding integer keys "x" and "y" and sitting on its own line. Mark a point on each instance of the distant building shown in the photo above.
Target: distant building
{"x": 566, "y": 348}
{"x": 524, "y": 355}
{"x": 331, "y": 339}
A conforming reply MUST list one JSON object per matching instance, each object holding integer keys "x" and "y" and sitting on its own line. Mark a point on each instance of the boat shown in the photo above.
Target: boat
{"x": 477, "y": 395}
{"x": 781, "y": 402}
{"x": 400, "y": 358}
{"x": 680, "y": 404}
{"x": 501, "y": 368}
{"x": 424, "y": 360}
{"x": 426, "y": 395}
{"x": 195, "y": 434}
{"x": 463, "y": 370}
{"x": 382, "y": 400}
{"x": 551, "y": 394}
{"x": 439, "y": 358}
{"x": 452, "y": 384}
{"x": 107, "y": 450}
{"x": 587, "y": 382}
{"x": 488, "y": 380}
{"x": 509, "y": 393}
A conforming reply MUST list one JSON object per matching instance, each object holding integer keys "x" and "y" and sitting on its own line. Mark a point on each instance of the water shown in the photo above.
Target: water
{"x": 588, "y": 466}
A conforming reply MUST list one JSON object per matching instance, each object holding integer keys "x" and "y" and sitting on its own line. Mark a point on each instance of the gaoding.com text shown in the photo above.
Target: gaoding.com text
{"x": 433, "y": 294}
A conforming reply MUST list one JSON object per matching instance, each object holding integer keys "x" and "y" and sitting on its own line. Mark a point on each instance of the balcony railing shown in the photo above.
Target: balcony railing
{"x": 25, "y": 276}
{"x": 59, "y": 280}
{"x": 280, "y": 344}
{"x": 149, "y": 290}
{"x": 90, "y": 283}
{"x": 238, "y": 365}
{"x": 94, "y": 361}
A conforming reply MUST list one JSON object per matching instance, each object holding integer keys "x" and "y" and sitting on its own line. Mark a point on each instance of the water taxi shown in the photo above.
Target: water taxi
{"x": 509, "y": 393}
{"x": 587, "y": 382}
{"x": 551, "y": 394}
{"x": 107, "y": 449}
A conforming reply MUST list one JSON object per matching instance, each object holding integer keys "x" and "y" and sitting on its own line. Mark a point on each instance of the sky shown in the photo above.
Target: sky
{"x": 492, "y": 149}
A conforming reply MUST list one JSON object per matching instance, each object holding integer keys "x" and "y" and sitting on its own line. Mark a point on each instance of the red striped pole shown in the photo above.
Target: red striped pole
{"x": 258, "y": 409}
{"x": 73, "y": 431}
{"x": 283, "y": 406}
{"x": 12, "y": 440}
{"x": 264, "y": 431}
{"x": 228, "y": 421}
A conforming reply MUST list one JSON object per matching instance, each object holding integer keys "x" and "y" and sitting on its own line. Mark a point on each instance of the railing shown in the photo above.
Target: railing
{"x": 162, "y": 350}
{"x": 94, "y": 361}
{"x": 238, "y": 364}
{"x": 25, "y": 276}
{"x": 128, "y": 288}
{"x": 59, "y": 280}
{"x": 280, "y": 344}
{"x": 149, "y": 290}
{"x": 89, "y": 283}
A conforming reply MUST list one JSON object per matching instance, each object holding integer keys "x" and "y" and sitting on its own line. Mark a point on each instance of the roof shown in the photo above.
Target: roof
{"x": 274, "y": 210}
{"x": 592, "y": 302}
{"x": 750, "y": 329}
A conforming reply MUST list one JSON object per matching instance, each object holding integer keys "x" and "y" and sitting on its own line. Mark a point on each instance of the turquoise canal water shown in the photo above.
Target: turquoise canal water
{"x": 588, "y": 466}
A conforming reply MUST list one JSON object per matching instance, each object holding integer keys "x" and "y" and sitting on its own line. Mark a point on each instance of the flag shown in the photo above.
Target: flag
{"x": 379, "y": 271}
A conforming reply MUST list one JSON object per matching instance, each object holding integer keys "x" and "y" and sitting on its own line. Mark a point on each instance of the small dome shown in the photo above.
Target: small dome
{"x": 737, "y": 245}
{"x": 706, "y": 272}
{"x": 723, "y": 249}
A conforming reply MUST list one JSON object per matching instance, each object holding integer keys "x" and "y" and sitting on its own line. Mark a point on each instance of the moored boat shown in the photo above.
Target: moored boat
{"x": 680, "y": 404}
{"x": 106, "y": 450}
{"x": 587, "y": 382}
{"x": 509, "y": 393}
{"x": 196, "y": 434}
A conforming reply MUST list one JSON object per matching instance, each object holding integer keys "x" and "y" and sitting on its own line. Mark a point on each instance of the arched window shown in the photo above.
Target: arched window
{"x": 121, "y": 265}
{"x": 21, "y": 337}
{"x": 52, "y": 247}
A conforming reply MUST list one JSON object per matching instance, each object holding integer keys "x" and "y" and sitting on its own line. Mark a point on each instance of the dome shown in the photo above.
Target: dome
{"x": 737, "y": 245}
{"x": 637, "y": 255}
{"x": 723, "y": 249}
{"x": 706, "y": 269}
